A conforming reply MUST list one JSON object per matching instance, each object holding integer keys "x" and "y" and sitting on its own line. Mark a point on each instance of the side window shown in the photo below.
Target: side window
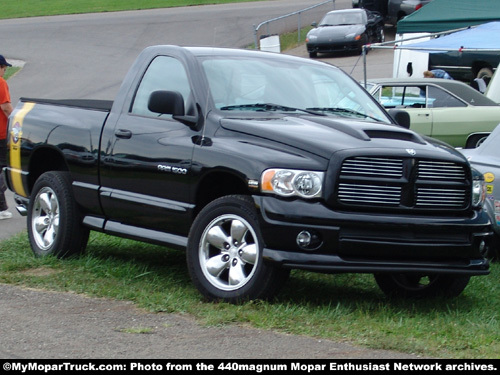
{"x": 403, "y": 96}
{"x": 164, "y": 73}
{"x": 438, "y": 98}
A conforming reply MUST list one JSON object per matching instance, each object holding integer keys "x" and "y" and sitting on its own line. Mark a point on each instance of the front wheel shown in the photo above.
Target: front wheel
{"x": 421, "y": 286}
{"x": 54, "y": 219}
{"x": 224, "y": 253}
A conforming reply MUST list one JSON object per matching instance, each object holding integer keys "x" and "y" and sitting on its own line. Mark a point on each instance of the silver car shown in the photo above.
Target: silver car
{"x": 486, "y": 159}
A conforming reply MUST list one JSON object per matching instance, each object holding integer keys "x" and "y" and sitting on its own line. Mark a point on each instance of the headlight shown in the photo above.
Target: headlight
{"x": 291, "y": 182}
{"x": 478, "y": 190}
{"x": 311, "y": 37}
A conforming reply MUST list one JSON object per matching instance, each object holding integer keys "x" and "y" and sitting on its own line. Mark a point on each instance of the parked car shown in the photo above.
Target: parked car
{"x": 445, "y": 109}
{"x": 398, "y": 9}
{"x": 345, "y": 30}
{"x": 486, "y": 159}
{"x": 466, "y": 66}
{"x": 376, "y": 5}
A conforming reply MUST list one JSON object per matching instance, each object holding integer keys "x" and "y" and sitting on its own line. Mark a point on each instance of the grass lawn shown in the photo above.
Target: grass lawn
{"x": 343, "y": 307}
{"x": 33, "y": 8}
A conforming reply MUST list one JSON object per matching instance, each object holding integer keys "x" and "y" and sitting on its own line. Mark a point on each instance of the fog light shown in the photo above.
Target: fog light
{"x": 308, "y": 240}
{"x": 482, "y": 248}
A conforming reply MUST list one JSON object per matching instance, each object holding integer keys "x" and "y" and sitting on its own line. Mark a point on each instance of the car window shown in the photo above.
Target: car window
{"x": 343, "y": 18}
{"x": 164, "y": 73}
{"x": 401, "y": 96}
{"x": 439, "y": 98}
{"x": 245, "y": 82}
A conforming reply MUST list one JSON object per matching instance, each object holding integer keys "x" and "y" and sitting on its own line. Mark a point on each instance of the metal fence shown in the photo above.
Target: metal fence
{"x": 292, "y": 21}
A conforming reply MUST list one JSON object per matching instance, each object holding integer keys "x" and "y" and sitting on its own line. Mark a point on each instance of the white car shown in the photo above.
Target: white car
{"x": 486, "y": 159}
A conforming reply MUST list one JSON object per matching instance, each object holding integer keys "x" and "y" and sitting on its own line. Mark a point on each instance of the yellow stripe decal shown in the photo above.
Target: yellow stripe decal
{"x": 15, "y": 148}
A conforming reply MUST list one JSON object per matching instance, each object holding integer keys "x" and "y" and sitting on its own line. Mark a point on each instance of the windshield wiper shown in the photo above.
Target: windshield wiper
{"x": 270, "y": 107}
{"x": 342, "y": 110}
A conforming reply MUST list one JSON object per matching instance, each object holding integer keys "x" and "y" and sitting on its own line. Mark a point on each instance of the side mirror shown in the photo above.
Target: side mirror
{"x": 166, "y": 103}
{"x": 401, "y": 117}
{"x": 172, "y": 103}
{"x": 314, "y": 24}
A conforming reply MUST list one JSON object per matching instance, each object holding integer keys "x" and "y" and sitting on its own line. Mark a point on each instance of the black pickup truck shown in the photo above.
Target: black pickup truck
{"x": 255, "y": 163}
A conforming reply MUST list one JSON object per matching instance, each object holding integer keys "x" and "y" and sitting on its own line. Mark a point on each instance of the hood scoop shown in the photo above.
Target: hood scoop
{"x": 394, "y": 134}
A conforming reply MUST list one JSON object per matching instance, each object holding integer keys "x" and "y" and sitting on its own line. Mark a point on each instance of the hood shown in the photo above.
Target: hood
{"x": 324, "y": 136}
{"x": 336, "y": 32}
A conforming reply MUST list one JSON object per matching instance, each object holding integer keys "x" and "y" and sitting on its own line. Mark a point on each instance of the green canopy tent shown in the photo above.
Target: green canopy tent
{"x": 442, "y": 15}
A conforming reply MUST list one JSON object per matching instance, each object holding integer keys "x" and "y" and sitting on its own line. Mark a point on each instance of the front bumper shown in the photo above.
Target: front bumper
{"x": 372, "y": 242}
{"x": 334, "y": 47}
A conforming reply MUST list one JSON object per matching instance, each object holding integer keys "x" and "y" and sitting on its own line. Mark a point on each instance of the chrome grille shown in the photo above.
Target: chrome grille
{"x": 440, "y": 197}
{"x": 431, "y": 170}
{"x": 388, "y": 195}
{"x": 381, "y": 167}
{"x": 403, "y": 183}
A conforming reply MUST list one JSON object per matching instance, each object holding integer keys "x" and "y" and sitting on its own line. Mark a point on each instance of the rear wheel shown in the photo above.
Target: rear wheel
{"x": 54, "y": 219}
{"x": 421, "y": 286}
{"x": 485, "y": 73}
{"x": 476, "y": 140}
{"x": 224, "y": 254}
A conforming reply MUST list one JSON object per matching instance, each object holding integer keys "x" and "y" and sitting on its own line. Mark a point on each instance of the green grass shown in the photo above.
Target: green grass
{"x": 33, "y": 8}
{"x": 344, "y": 307}
{"x": 11, "y": 70}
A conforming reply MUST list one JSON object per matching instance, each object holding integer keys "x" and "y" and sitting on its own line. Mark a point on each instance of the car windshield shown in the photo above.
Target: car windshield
{"x": 284, "y": 85}
{"x": 342, "y": 18}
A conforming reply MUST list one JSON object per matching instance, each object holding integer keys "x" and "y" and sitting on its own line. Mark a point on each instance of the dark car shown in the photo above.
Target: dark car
{"x": 345, "y": 30}
{"x": 399, "y": 9}
{"x": 466, "y": 66}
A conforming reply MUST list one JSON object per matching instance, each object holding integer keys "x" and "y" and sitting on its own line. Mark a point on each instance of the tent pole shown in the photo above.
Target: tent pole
{"x": 364, "y": 66}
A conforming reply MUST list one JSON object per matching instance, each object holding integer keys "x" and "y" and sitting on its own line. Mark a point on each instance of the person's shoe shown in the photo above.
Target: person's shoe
{"x": 5, "y": 215}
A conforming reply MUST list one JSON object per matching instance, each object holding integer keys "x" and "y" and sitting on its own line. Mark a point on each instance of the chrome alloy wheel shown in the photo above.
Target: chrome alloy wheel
{"x": 45, "y": 218}
{"x": 228, "y": 252}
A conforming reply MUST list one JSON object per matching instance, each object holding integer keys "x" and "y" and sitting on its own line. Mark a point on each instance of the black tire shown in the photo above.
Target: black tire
{"x": 476, "y": 140}
{"x": 313, "y": 55}
{"x": 421, "y": 286}
{"x": 485, "y": 73}
{"x": 54, "y": 219}
{"x": 380, "y": 35}
{"x": 493, "y": 250}
{"x": 224, "y": 253}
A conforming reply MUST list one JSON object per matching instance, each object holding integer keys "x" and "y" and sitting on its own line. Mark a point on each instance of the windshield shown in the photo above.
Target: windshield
{"x": 275, "y": 84}
{"x": 342, "y": 18}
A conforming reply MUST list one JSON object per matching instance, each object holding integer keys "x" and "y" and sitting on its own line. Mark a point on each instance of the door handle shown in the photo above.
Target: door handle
{"x": 123, "y": 134}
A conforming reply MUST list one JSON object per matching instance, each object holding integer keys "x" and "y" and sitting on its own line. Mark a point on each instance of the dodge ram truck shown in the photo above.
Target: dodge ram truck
{"x": 255, "y": 163}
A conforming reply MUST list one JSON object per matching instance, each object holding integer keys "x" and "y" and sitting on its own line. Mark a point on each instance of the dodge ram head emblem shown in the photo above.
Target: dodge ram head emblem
{"x": 411, "y": 151}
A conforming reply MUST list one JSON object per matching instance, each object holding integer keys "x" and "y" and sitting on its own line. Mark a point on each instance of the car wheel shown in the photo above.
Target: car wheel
{"x": 313, "y": 55}
{"x": 484, "y": 73}
{"x": 224, "y": 254}
{"x": 421, "y": 286}
{"x": 54, "y": 219}
{"x": 493, "y": 250}
{"x": 476, "y": 140}
{"x": 380, "y": 35}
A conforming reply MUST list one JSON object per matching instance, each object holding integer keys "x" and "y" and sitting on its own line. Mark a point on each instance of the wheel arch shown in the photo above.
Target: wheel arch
{"x": 217, "y": 184}
{"x": 45, "y": 159}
